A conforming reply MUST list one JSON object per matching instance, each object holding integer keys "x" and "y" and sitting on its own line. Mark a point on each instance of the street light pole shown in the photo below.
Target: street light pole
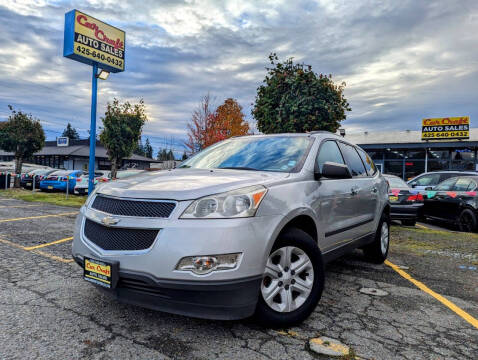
{"x": 91, "y": 167}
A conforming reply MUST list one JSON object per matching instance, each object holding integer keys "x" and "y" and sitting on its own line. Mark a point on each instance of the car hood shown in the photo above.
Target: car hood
{"x": 187, "y": 184}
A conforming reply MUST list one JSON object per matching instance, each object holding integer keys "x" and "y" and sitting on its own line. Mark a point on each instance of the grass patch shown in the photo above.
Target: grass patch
{"x": 419, "y": 241}
{"x": 44, "y": 197}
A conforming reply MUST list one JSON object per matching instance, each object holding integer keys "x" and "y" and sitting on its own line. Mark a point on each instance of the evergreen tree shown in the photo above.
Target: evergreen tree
{"x": 148, "y": 149}
{"x": 70, "y": 132}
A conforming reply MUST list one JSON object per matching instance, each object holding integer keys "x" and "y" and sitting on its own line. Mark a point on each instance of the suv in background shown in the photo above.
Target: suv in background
{"x": 428, "y": 180}
{"x": 243, "y": 227}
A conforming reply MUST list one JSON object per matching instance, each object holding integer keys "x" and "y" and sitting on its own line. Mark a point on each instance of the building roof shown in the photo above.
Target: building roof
{"x": 79, "y": 148}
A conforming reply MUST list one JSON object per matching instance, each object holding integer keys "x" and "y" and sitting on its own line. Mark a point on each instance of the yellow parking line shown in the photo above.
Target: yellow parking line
{"x": 16, "y": 206}
{"x": 12, "y": 244}
{"x": 38, "y": 217}
{"x": 53, "y": 257}
{"x": 48, "y": 244}
{"x": 421, "y": 226}
{"x": 467, "y": 317}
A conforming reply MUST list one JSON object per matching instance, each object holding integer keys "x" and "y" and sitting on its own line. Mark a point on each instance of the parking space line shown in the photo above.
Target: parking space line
{"x": 53, "y": 257}
{"x": 39, "y": 217}
{"x": 48, "y": 244}
{"x": 12, "y": 244}
{"x": 421, "y": 226}
{"x": 467, "y": 317}
{"x": 16, "y": 206}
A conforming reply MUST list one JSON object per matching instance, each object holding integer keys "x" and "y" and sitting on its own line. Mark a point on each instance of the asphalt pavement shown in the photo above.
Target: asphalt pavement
{"x": 47, "y": 311}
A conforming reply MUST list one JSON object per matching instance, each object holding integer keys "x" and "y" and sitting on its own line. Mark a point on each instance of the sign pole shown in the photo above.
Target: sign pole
{"x": 91, "y": 167}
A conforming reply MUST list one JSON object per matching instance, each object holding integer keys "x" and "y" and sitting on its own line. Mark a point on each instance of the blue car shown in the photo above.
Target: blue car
{"x": 58, "y": 180}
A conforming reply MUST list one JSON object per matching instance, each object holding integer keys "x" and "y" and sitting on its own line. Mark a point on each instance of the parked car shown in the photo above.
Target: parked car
{"x": 58, "y": 180}
{"x": 81, "y": 186}
{"x": 243, "y": 227}
{"x": 405, "y": 203}
{"x": 454, "y": 201}
{"x": 431, "y": 179}
{"x": 26, "y": 180}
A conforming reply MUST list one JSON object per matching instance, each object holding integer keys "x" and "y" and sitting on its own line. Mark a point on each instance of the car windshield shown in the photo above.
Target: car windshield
{"x": 397, "y": 182}
{"x": 274, "y": 153}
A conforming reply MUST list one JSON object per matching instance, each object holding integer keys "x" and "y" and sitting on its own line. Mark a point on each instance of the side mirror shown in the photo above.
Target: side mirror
{"x": 414, "y": 185}
{"x": 333, "y": 170}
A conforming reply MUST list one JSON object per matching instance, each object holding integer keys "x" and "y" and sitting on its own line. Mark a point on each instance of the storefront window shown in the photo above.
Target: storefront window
{"x": 436, "y": 165}
{"x": 463, "y": 159}
{"x": 393, "y": 168}
{"x": 438, "y": 154}
{"x": 416, "y": 154}
{"x": 414, "y": 168}
{"x": 395, "y": 154}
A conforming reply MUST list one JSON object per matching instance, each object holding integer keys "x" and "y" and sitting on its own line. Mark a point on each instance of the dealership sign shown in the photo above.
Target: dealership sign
{"x": 90, "y": 41}
{"x": 446, "y": 128}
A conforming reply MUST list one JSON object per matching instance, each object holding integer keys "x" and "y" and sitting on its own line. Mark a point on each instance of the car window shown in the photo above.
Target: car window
{"x": 367, "y": 161}
{"x": 396, "y": 182}
{"x": 353, "y": 160}
{"x": 462, "y": 184}
{"x": 427, "y": 180}
{"x": 473, "y": 185}
{"x": 329, "y": 151}
{"x": 446, "y": 185}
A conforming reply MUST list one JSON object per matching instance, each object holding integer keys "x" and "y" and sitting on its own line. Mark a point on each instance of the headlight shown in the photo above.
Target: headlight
{"x": 233, "y": 204}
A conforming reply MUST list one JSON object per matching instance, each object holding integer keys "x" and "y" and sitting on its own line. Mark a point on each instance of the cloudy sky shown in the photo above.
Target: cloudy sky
{"x": 401, "y": 60}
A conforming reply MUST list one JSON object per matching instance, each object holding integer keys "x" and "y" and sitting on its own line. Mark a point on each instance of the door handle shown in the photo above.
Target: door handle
{"x": 354, "y": 190}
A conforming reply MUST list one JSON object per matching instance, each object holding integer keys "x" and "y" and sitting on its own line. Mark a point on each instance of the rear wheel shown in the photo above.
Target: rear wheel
{"x": 377, "y": 251}
{"x": 467, "y": 221}
{"x": 293, "y": 280}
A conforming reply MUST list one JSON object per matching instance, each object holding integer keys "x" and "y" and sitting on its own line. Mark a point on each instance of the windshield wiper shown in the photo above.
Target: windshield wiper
{"x": 239, "y": 168}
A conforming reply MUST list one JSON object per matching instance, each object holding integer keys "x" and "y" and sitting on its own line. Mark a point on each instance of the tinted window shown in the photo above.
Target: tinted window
{"x": 472, "y": 186}
{"x": 462, "y": 184}
{"x": 446, "y": 185}
{"x": 427, "y": 180}
{"x": 264, "y": 153}
{"x": 353, "y": 160}
{"x": 367, "y": 161}
{"x": 329, "y": 151}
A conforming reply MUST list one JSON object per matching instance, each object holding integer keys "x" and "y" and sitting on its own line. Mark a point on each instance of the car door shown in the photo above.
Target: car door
{"x": 374, "y": 180}
{"x": 453, "y": 202}
{"x": 334, "y": 202}
{"x": 437, "y": 199}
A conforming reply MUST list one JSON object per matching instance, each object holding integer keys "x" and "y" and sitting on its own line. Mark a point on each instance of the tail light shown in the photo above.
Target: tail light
{"x": 417, "y": 198}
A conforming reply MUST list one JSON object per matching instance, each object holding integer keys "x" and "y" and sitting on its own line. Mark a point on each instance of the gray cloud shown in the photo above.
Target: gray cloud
{"x": 402, "y": 61}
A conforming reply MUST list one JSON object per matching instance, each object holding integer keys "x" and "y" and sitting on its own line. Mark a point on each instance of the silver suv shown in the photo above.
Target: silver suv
{"x": 243, "y": 227}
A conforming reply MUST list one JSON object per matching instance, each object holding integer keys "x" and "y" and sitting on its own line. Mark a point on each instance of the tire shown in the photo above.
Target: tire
{"x": 409, "y": 222}
{"x": 377, "y": 251}
{"x": 301, "y": 291}
{"x": 467, "y": 221}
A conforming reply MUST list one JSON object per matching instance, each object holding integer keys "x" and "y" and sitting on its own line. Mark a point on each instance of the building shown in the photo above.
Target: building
{"x": 74, "y": 155}
{"x": 404, "y": 154}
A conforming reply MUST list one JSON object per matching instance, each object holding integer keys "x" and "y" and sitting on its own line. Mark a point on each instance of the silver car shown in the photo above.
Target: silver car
{"x": 244, "y": 227}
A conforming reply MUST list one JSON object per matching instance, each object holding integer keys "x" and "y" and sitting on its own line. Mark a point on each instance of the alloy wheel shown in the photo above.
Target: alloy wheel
{"x": 384, "y": 238}
{"x": 288, "y": 279}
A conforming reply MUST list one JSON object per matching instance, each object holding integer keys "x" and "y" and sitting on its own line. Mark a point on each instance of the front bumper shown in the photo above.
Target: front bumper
{"x": 404, "y": 212}
{"x": 219, "y": 300}
{"x": 148, "y": 277}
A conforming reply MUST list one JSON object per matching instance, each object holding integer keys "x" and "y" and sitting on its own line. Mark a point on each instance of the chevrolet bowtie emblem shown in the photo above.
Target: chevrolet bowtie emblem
{"x": 109, "y": 220}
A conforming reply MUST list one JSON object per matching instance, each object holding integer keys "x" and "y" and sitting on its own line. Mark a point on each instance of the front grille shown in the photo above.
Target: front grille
{"x": 140, "y": 286}
{"x": 109, "y": 238}
{"x": 157, "y": 209}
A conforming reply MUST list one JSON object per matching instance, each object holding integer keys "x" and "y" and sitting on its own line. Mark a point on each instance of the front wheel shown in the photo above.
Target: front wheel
{"x": 293, "y": 280}
{"x": 467, "y": 221}
{"x": 377, "y": 251}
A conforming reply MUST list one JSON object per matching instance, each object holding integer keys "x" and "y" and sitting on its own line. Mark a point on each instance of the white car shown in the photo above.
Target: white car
{"x": 81, "y": 187}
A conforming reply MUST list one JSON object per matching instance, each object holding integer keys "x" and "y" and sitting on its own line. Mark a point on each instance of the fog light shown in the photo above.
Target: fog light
{"x": 202, "y": 265}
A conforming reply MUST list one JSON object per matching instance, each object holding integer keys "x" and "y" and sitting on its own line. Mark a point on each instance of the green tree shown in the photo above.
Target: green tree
{"x": 293, "y": 98}
{"x": 170, "y": 155}
{"x": 162, "y": 154}
{"x": 148, "y": 149}
{"x": 139, "y": 149}
{"x": 122, "y": 126}
{"x": 185, "y": 156}
{"x": 23, "y": 135}
{"x": 71, "y": 132}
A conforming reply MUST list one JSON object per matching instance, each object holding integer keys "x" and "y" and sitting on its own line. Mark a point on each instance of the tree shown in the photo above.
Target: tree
{"x": 228, "y": 120}
{"x": 185, "y": 156}
{"x": 170, "y": 155}
{"x": 295, "y": 99}
{"x": 71, "y": 132}
{"x": 198, "y": 127}
{"x": 122, "y": 126}
{"x": 23, "y": 135}
{"x": 139, "y": 149}
{"x": 208, "y": 127}
{"x": 148, "y": 149}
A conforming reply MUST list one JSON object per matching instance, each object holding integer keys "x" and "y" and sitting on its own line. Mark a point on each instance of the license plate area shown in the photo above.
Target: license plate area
{"x": 100, "y": 272}
{"x": 393, "y": 198}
